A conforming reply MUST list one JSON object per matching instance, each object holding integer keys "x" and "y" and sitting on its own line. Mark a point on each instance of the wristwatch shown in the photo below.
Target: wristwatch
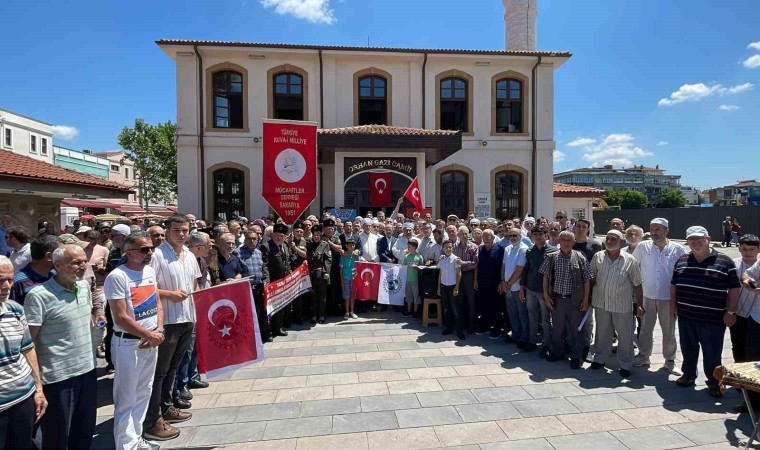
{"x": 159, "y": 330}
{"x": 732, "y": 313}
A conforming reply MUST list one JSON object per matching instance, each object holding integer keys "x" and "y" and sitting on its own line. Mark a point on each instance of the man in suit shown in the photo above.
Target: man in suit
{"x": 277, "y": 255}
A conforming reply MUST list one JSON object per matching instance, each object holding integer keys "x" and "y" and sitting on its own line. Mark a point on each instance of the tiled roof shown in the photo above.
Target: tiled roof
{"x": 568, "y": 190}
{"x": 386, "y": 130}
{"x": 13, "y": 165}
{"x": 564, "y": 54}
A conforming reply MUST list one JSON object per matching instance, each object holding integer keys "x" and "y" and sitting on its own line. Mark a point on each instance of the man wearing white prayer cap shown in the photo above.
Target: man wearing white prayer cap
{"x": 399, "y": 247}
{"x": 657, "y": 258}
{"x": 367, "y": 244}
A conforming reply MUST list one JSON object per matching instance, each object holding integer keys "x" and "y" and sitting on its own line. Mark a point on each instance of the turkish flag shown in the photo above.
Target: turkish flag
{"x": 414, "y": 195}
{"x": 366, "y": 281}
{"x": 226, "y": 332}
{"x": 379, "y": 188}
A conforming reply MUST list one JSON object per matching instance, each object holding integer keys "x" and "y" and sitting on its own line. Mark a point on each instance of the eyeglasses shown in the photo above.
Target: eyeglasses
{"x": 513, "y": 235}
{"x": 143, "y": 250}
{"x": 154, "y": 235}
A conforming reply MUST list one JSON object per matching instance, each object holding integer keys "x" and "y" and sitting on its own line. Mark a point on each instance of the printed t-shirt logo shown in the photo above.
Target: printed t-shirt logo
{"x": 144, "y": 301}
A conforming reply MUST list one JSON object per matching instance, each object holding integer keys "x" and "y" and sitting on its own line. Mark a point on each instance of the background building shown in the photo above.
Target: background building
{"x": 746, "y": 192}
{"x": 648, "y": 180}
{"x": 31, "y": 186}
{"x": 693, "y": 195}
{"x": 468, "y": 123}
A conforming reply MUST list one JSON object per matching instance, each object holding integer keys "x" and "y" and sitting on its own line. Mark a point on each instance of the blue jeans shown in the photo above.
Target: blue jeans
{"x": 518, "y": 317}
{"x": 694, "y": 334}
{"x": 538, "y": 317}
{"x": 188, "y": 368}
{"x": 69, "y": 421}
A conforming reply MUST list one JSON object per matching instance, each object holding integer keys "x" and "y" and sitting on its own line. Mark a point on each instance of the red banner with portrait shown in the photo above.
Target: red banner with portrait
{"x": 289, "y": 171}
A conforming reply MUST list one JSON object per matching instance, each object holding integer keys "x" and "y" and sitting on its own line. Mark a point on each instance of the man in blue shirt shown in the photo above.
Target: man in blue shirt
{"x": 39, "y": 269}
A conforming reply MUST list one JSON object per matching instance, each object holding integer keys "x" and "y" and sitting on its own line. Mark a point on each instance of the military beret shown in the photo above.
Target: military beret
{"x": 316, "y": 229}
{"x": 328, "y": 223}
{"x": 280, "y": 228}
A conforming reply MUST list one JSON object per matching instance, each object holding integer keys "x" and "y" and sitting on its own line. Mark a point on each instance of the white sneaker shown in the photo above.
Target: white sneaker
{"x": 640, "y": 360}
{"x": 354, "y": 316}
{"x": 346, "y": 316}
{"x": 142, "y": 444}
{"x": 670, "y": 366}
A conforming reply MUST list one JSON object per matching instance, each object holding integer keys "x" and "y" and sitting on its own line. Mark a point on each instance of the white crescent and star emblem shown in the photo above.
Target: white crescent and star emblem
{"x": 371, "y": 276}
{"x": 379, "y": 189}
{"x": 225, "y": 330}
{"x": 416, "y": 193}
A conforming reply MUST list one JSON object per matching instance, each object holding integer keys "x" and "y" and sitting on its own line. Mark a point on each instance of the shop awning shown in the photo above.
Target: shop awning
{"x": 76, "y": 203}
{"x": 127, "y": 209}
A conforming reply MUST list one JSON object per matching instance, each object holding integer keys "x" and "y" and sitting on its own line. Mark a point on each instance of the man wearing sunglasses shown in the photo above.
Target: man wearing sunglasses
{"x": 131, "y": 291}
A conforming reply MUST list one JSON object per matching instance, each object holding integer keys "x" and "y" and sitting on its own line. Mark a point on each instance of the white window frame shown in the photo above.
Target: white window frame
{"x": 33, "y": 144}
{"x": 9, "y": 132}
{"x": 44, "y": 146}
{"x": 117, "y": 168}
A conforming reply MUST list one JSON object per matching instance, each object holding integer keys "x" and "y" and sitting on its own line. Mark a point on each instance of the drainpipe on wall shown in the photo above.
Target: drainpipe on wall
{"x": 321, "y": 92}
{"x": 424, "y": 66}
{"x": 534, "y": 153}
{"x": 200, "y": 133}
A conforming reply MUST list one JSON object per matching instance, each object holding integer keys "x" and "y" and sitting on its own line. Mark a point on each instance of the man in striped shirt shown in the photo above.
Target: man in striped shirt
{"x": 705, "y": 294}
{"x": 617, "y": 278}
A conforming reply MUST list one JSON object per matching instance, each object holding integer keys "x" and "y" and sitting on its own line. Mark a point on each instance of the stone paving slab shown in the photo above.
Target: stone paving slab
{"x": 383, "y": 382}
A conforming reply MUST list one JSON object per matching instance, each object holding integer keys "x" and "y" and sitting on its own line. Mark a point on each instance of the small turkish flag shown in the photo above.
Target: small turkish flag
{"x": 227, "y": 333}
{"x": 413, "y": 195}
{"x": 366, "y": 281}
{"x": 379, "y": 188}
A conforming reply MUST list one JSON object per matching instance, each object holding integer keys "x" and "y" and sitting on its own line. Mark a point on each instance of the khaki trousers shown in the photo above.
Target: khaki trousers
{"x": 658, "y": 310}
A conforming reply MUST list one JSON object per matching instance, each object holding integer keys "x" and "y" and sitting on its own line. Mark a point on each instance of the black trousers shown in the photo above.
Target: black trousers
{"x": 17, "y": 425}
{"x": 454, "y": 317}
{"x": 319, "y": 296}
{"x": 176, "y": 342}
{"x": 334, "y": 294}
{"x": 752, "y": 352}
{"x": 109, "y": 334}
{"x": 739, "y": 339}
{"x": 488, "y": 303}
{"x": 261, "y": 311}
{"x": 69, "y": 421}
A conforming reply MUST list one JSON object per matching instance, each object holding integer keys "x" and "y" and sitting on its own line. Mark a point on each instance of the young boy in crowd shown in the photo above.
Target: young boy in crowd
{"x": 347, "y": 277}
{"x": 412, "y": 259}
{"x": 449, "y": 277}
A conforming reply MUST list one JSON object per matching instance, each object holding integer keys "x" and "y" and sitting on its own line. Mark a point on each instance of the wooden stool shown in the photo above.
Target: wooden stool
{"x": 426, "y": 320}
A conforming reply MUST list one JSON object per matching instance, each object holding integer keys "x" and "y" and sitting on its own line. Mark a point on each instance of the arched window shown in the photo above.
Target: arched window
{"x": 228, "y": 99}
{"x": 509, "y": 196}
{"x": 373, "y": 100}
{"x": 454, "y": 193}
{"x": 509, "y": 106}
{"x": 453, "y": 105}
{"x": 288, "y": 96}
{"x": 229, "y": 193}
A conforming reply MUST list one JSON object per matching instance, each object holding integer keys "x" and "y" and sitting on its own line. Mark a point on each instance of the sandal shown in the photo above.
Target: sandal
{"x": 685, "y": 382}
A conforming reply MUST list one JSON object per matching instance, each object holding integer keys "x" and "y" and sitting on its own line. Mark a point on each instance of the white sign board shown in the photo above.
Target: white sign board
{"x": 482, "y": 204}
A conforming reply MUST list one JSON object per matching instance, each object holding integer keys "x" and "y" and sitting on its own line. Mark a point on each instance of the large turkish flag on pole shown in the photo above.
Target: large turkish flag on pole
{"x": 379, "y": 188}
{"x": 366, "y": 281}
{"x": 226, "y": 332}
{"x": 414, "y": 195}
{"x": 289, "y": 172}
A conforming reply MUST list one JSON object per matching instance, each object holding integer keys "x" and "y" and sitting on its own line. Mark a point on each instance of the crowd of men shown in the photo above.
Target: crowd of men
{"x": 531, "y": 282}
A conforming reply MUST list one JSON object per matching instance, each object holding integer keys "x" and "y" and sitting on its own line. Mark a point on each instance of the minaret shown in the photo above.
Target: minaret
{"x": 520, "y": 19}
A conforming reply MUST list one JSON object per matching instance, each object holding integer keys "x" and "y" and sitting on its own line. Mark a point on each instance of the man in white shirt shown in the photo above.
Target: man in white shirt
{"x": 401, "y": 242}
{"x": 17, "y": 239}
{"x": 368, "y": 242}
{"x": 511, "y": 270}
{"x": 177, "y": 274}
{"x": 657, "y": 258}
{"x": 138, "y": 330}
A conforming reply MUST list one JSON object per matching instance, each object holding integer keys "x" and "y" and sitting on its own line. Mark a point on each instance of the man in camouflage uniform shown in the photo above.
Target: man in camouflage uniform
{"x": 319, "y": 257}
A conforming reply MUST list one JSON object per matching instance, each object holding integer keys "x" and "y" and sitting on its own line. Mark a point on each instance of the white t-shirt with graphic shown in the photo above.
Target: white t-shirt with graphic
{"x": 140, "y": 291}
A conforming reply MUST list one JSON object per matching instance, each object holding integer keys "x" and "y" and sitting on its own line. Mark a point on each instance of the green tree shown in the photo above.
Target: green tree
{"x": 626, "y": 199}
{"x": 672, "y": 198}
{"x": 153, "y": 151}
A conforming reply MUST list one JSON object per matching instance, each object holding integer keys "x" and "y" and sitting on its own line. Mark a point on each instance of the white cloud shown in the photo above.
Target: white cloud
{"x": 698, "y": 91}
{"x": 753, "y": 62}
{"x": 65, "y": 132}
{"x": 738, "y": 89}
{"x": 754, "y": 46}
{"x": 315, "y": 11}
{"x": 661, "y": 143}
{"x": 559, "y": 156}
{"x": 728, "y": 107}
{"x": 581, "y": 142}
{"x": 618, "y": 149}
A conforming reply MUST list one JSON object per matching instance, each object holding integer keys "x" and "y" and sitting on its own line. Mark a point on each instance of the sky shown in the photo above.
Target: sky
{"x": 674, "y": 83}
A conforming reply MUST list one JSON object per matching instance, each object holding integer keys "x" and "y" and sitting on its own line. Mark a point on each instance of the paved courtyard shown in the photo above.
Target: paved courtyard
{"x": 382, "y": 382}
